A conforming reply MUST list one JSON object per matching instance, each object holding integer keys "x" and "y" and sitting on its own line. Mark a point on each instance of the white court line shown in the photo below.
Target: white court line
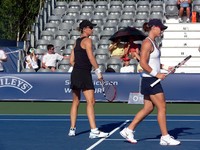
{"x": 146, "y": 120}
{"x": 151, "y": 140}
{"x": 101, "y": 140}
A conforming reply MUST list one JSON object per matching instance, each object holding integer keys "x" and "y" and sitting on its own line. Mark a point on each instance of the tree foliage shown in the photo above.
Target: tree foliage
{"x": 16, "y": 17}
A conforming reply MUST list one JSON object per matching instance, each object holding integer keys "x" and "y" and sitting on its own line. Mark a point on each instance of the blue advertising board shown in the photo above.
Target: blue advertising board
{"x": 56, "y": 87}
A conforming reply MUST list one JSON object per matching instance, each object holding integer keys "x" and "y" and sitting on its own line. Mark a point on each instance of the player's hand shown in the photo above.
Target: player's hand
{"x": 171, "y": 69}
{"x": 161, "y": 76}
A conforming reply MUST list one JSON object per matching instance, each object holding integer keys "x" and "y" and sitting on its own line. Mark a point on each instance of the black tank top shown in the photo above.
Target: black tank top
{"x": 81, "y": 58}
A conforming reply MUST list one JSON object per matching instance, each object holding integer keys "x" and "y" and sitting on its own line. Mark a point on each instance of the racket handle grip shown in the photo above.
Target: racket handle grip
{"x": 156, "y": 82}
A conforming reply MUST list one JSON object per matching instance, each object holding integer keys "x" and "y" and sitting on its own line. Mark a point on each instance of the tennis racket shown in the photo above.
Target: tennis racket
{"x": 175, "y": 67}
{"x": 109, "y": 90}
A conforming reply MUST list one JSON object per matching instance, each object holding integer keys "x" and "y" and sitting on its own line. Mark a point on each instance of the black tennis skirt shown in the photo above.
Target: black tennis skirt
{"x": 146, "y": 89}
{"x": 81, "y": 80}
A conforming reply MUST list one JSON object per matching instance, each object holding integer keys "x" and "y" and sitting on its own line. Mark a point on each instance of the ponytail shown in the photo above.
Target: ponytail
{"x": 146, "y": 27}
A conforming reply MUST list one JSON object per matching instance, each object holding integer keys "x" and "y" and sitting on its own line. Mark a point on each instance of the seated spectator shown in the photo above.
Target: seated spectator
{"x": 109, "y": 70}
{"x": 50, "y": 58}
{"x": 132, "y": 50}
{"x": 184, "y": 4}
{"x": 116, "y": 49}
{"x": 127, "y": 68}
{"x": 31, "y": 60}
{"x": 3, "y": 58}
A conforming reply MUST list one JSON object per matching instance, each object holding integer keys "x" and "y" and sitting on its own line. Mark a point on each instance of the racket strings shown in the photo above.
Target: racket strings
{"x": 110, "y": 92}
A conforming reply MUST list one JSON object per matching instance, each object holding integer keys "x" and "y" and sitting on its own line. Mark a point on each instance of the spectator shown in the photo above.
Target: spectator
{"x": 184, "y": 4}
{"x": 3, "y": 58}
{"x": 31, "y": 60}
{"x": 50, "y": 58}
{"x": 116, "y": 49}
{"x": 127, "y": 68}
{"x": 109, "y": 69}
{"x": 132, "y": 50}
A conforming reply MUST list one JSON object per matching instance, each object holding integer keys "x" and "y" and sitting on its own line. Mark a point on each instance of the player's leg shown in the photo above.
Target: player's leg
{"x": 74, "y": 111}
{"x": 95, "y": 133}
{"x": 128, "y": 132}
{"x": 89, "y": 96}
{"x": 159, "y": 101}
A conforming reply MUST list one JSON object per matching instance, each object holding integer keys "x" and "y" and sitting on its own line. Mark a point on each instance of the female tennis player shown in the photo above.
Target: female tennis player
{"x": 82, "y": 60}
{"x": 150, "y": 62}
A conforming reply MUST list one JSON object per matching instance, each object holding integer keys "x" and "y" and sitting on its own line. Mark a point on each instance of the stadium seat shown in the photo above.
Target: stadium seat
{"x": 112, "y": 26}
{"x": 157, "y": 10}
{"x": 156, "y": 4}
{"x": 51, "y": 27}
{"x": 156, "y": 16}
{"x": 42, "y": 44}
{"x": 115, "y": 11}
{"x": 73, "y": 12}
{"x": 65, "y": 26}
{"x": 88, "y": 4}
{"x": 196, "y": 5}
{"x": 129, "y": 4}
{"x": 114, "y": 63}
{"x": 142, "y": 11}
{"x": 103, "y": 44}
{"x": 27, "y": 70}
{"x": 47, "y": 35}
{"x": 143, "y": 4}
{"x": 101, "y": 4}
{"x": 139, "y": 25}
{"x": 59, "y": 12}
{"x": 106, "y": 34}
{"x": 74, "y": 34}
{"x": 80, "y": 18}
{"x": 61, "y": 5}
{"x": 70, "y": 44}
{"x": 67, "y": 52}
{"x": 64, "y": 64}
{"x": 171, "y": 9}
{"x": 129, "y": 19}
{"x": 102, "y": 54}
{"x": 141, "y": 18}
{"x": 44, "y": 70}
{"x": 74, "y": 5}
{"x": 102, "y": 64}
{"x": 86, "y": 12}
{"x": 122, "y": 25}
{"x": 58, "y": 44}
{"x": 100, "y": 11}
{"x": 69, "y": 19}
{"x": 54, "y": 19}
{"x": 128, "y": 11}
{"x": 113, "y": 19}
{"x": 61, "y": 35}
{"x": 116, "y": 4}
{"x": 97, "y": 19}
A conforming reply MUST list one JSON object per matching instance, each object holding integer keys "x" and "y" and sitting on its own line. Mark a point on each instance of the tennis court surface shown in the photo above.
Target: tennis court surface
{"x": 49, "y": 132}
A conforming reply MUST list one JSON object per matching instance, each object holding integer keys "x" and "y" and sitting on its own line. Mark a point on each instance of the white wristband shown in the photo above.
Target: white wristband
{"x": 153, "y": 73}
{"x": 98, "y": 73}
{"x": 165, "y": 67}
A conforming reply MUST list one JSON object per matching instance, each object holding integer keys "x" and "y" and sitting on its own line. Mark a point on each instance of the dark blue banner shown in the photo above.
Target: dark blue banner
{"x": 55, "y": 87}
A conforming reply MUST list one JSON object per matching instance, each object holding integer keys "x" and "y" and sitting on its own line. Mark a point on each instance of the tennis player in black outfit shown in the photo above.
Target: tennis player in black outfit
{"x": 82, "y": 60}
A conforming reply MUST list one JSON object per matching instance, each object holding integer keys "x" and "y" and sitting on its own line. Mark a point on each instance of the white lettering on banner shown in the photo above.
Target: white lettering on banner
{"x": 15, "y": 82}
{"x": 67, "y": 90}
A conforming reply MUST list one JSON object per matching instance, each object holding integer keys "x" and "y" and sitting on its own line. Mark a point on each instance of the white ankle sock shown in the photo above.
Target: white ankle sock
{"x": 94, "y": 130}
{"x": 129, "y": 130}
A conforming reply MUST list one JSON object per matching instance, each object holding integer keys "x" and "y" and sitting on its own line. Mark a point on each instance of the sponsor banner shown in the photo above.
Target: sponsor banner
{"x": 56, "y": 87}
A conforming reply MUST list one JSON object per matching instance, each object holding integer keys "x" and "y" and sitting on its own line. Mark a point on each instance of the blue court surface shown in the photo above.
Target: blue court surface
{"x": 49, "y": 132}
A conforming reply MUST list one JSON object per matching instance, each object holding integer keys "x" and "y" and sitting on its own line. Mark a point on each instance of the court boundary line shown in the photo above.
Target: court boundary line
{"x": 113, "y": 131}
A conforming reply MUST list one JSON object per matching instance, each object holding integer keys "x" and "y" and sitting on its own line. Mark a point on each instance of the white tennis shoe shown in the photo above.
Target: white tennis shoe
{"x": 98, "y": 134}
{"x": 168, "y": 140}
{"x": 128, "y": 135}
{"x": 72, "y": 132}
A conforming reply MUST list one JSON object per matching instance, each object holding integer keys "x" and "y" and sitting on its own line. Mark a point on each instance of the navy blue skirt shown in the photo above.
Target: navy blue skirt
{"x": 81, "y": 80}
{"x": 146, "y": 89}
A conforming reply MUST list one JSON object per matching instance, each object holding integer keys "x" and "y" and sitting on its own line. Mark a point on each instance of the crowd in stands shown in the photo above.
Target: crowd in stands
{"x": 69, "y": 20}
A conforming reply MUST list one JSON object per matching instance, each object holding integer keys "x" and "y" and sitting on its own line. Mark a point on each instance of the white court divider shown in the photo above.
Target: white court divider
{"x": 183, "y": 27}
{"x": 179, "y": 51}
{"x": 182, "y": 35}
{"x": 180, "y": 43}
{"x": 171, "y": 61}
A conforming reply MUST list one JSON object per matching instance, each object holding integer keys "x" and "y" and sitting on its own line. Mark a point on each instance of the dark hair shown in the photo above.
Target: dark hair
{"x": 49, "y": 46}
{"x": 110, "y": 70}
{"x": 146, "y": 27}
